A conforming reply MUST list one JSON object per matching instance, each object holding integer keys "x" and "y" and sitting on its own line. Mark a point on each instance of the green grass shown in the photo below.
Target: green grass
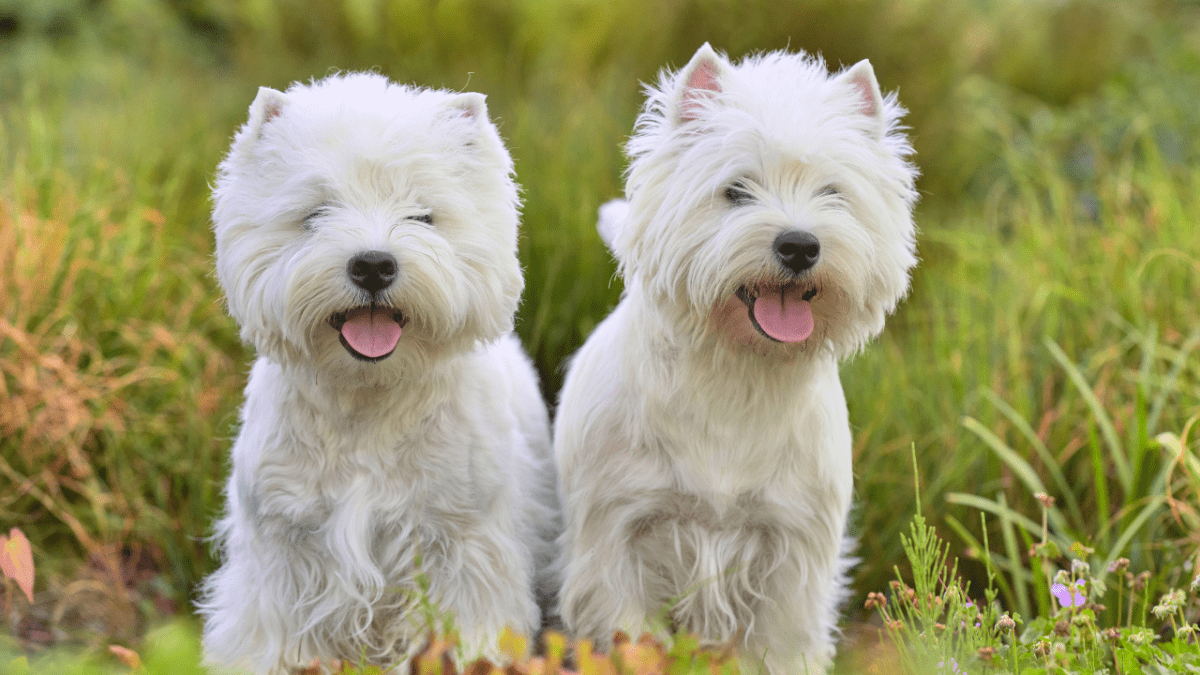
{"x": 1049, "y": 343}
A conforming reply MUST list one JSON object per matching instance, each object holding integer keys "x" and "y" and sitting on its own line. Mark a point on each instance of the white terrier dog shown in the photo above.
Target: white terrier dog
{"x": 702, "y": 437}
{"x": 366, "y": 242}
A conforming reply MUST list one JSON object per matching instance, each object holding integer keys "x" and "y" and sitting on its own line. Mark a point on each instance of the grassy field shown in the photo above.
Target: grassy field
{"x": 1049, "y": 343}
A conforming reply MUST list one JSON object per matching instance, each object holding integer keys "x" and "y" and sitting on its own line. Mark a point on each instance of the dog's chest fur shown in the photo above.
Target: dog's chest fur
{"x": 365, "y": 482}
{"x": 716, "y": 561}
{"x": 753, "y": 487}
{"x": 358, "y": 493}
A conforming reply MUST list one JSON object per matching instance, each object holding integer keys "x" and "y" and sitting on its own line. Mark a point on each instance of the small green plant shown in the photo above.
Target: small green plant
{"x": 936, "y": 627}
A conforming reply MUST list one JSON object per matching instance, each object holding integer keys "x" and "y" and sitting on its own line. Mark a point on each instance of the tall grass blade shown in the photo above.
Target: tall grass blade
{"x": 1019, "y": 466}
{"x": 1007, "y": 517}
{"x": 1001, "y": 510}
{"x": 1050, "y": 462}
{"x": 1169, "y": 383}
{"x": 1118, "y": 547}
{"x": 1116, "y": 453}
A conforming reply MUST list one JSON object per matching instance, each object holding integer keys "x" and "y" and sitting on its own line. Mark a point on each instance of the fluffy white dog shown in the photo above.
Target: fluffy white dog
{"x": 366, "y": 242}
{"x": 702, "y": 437}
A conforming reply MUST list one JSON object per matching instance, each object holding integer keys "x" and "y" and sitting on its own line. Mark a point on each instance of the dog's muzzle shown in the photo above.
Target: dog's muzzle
{"x": 371, "y": 332}
{"x": 780, "y": 312}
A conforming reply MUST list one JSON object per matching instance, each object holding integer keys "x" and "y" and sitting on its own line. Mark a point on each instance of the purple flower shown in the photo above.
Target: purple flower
{"x": 954, "y": 665}
{"x": 1068, "y": 597}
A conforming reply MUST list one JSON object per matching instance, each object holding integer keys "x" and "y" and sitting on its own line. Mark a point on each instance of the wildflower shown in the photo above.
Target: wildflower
{"x": 1042, "y": 647}
{"x": 1062, "y": 629}
{"x": 954, "y": 665}
{"x": 1006, "y": 623}
{"x": 1120, "y": 565}
{"x": 1112, "y": 635}
{"x": 1138, "y": 583}
{"x": 875, "y": 600}
{"x": 1138, "y": 637}
{"x": 1080, "y": 569}
{"x": 939, "y": 626}
{"x": 1046, "y": 500}
{"x": 1185, "y": 631}
{"x": 1196, "y": 584}
{"x": 986, "y": 653}
{"x": 1062, "y": 577}
{"x": 1169, "y": 603}
{"x": 1068, "y": 597}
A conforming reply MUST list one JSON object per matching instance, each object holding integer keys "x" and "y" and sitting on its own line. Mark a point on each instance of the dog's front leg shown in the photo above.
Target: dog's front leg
{"x": 488, "y": 589}
{"x": 603, "y": 587}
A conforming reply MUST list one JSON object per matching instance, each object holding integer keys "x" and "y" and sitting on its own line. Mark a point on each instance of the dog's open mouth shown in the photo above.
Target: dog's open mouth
{"x": 780, "y": 312}
{"x": 371, "y": 332}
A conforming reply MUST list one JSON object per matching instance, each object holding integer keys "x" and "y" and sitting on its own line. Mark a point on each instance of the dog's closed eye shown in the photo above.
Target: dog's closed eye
{"x": 737, "y": 194}
{"x": 426, "y": 218}
{"x": 830, "y": 190}
{"x": 310, "y": 221}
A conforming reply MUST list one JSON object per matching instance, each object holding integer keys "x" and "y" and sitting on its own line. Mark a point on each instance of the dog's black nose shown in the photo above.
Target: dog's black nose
{"x": 372, "y": 271}
{"x": 797, "y": 250}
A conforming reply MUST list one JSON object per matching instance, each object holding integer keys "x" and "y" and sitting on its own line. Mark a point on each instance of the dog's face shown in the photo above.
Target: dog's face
{"x": 770, "y": 202}
{"x": 363, "y": 226}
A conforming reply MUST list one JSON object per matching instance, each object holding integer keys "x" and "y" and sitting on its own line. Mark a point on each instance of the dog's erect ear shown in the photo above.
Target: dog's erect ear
{"x": 700, "y": 79}
{"x": 470, "y": 104}
{"x": 471, "y": 107}
{"x": 612, "y": 219}
{"x": 267, "y": 106}
{"x": 861, "y": 76}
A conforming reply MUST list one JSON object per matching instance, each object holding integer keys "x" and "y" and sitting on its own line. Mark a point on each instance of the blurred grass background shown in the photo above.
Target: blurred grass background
{"x": 1055, "y": 308}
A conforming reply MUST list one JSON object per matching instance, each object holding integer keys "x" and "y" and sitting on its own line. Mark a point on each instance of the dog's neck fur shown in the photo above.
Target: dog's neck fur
{"x": 339, "y": 402}
{"x": 731, "y": 392}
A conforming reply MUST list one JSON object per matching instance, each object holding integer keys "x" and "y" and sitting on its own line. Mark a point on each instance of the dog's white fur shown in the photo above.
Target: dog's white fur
{"x": 346, "y": 473}
{"x": 705, "y": 470}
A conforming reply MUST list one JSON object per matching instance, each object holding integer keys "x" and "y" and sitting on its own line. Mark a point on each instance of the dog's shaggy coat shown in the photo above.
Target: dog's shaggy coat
{"x": 702, "y": 437}
{"x": 355, "y": 217}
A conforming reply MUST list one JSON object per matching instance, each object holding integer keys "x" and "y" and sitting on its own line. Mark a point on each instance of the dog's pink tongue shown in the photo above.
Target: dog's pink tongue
{"x": 784, "y": 314}
{"x": 371, "y": 332}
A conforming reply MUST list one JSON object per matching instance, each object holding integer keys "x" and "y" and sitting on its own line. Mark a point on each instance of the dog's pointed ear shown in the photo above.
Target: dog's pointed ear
{"x": 699, "y": 80}
{"x": 470, "y": 104}
{"x": 861, "y": 77}
{"x": 268, "y": 105}
{"x": 470, "y": 107}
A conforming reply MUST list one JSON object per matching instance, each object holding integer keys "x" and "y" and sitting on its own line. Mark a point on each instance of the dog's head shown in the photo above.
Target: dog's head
{"x": 769, "y": 201}
{"x": 362, "y": 226}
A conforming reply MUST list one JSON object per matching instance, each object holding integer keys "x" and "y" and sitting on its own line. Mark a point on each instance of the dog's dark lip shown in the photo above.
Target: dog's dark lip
{"x": 338, "y": 319}
{"x": 749, "y": 297}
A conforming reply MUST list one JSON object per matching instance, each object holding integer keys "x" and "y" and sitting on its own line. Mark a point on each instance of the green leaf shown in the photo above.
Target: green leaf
{"x": 1116, "y": 452}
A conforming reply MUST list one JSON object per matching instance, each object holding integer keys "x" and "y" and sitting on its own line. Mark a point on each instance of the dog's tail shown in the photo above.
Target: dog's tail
{"x": 612, "y": 218}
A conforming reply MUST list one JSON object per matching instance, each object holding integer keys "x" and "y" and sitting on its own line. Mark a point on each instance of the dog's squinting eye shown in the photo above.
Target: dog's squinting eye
{"x": 738, "y": 195}
{"x": 309, "y": 221}
{"x": 829, "y": 191}
{"x": 426, "y": 218}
